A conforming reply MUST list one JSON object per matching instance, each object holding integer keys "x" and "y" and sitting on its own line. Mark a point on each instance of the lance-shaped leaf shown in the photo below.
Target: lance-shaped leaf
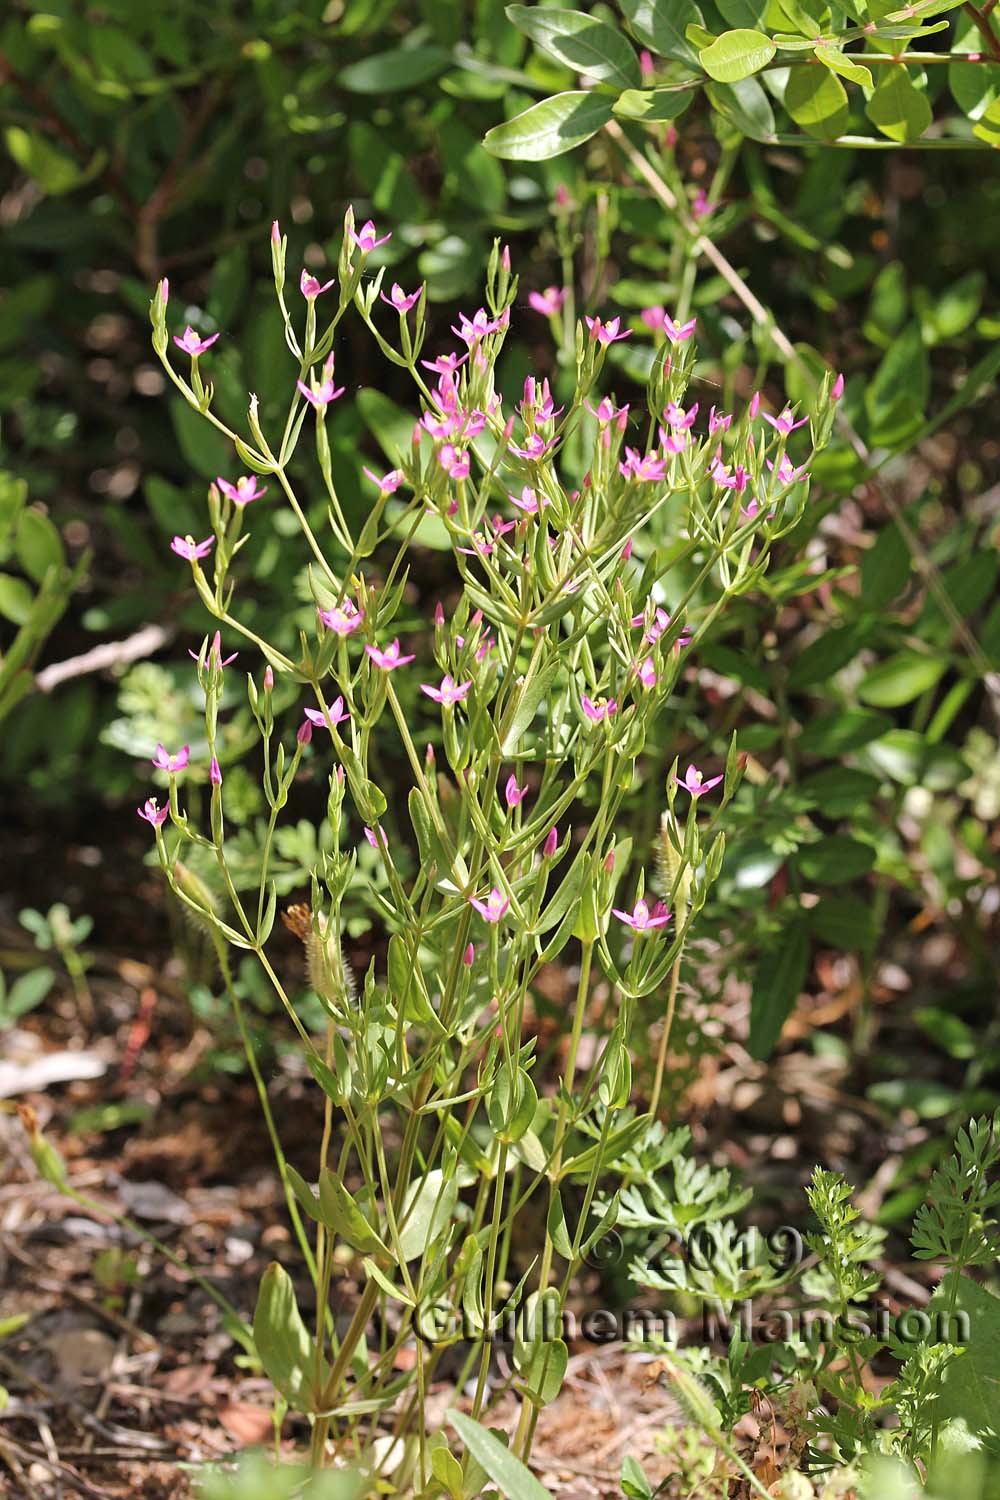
{"x": 507, "y": 1472}
{"x": 286, "y": 1350}
{"x": 660, "y": 25}
{"x": 551, "y": 127}
{"x": 584, "y": 44}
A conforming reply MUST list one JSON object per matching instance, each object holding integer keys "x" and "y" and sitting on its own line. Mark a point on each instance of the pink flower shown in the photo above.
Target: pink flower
{"x": 674, "y": 442}
{"x": 305, "y": 732}
{"x": 215, "y": 656}
{"x": 529, "y": 501}
{"x": 751, "y": 510}
{"x": 650, "y": 467}
{"x": 701, "y": 208}
{"x": 677, "y": 333}
{"x": 551, "y": 843}
{"x": 472, "y": 330}
{"x": 493, "y": 908}
{"x": 243, "y": 491}
{"x": 783, "y": 422}
{"x": 192, "y": 344}
{"x": 786, "y": 471}
{"x": 513, "y": 794}
{"x": 376, "y": 837}
{"x": 646, "y": 672}
{"x": 311, "y": 287}
{"x": 718, "y": 423}
{"x": 389, "y": 483}
{"x": 606, "y": 333}
{"x": 152, "y": 813}
{"x": 321, "y": 395}
{"x": 164, "y": 761}
{"x": 449, "y": 693}
{"x": 454, "y": 461}
{"x": 390, "y": 658}
{"x": 535, "y": 447}
{"x": 548, "y": 302}
{"x": 661, "y": 623}
{"x": 653, "y": 318}
{"x": 215, "y": 772}
{"x": 366, "y": 238}
{"x": 445, "y": 364}
{"x": 675, "y": 416}
{"x": 343, "y": 619}
{"x": 754, "y": 405}
{"x": 695, "y": 783}
{"x": 188, "y": 548}
{"x": 607, "y": 412}
{"x": 400, "y": 300}
{"x": 336, "y": 713}
{"x": 600, "y": 710}
{"x": 643, "y": 919}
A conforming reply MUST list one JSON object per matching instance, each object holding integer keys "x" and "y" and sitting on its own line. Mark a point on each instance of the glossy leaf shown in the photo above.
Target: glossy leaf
{"x": 737, "y": 54}
{"x": 550, "y": 128}
{"x": 581, "y": 42}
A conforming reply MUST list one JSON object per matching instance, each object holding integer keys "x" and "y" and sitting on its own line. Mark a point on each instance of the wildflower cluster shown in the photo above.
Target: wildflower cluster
{"x": 549, "y": 664}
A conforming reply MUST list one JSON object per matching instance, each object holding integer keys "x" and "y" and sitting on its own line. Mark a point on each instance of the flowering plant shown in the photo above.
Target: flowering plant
{"x": 518, "y": 726}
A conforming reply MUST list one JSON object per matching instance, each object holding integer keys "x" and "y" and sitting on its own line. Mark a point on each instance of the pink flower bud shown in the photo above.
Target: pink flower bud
{"x": 551, "y": 843}
{"x": 469, "y": 955}
{"x": 439, "y": 614}
{"x": 214, "y": 773}
{"x": 164, "y": 291}
{"x": 268, "y": 679}
{"x": 505, "y": 258}
{"x": 646, "y": 65}
{"x": 609, "y": 861}
{"x": 305, "y": 733}
{"x": 429, "y": 755}
{"x": 754, "y": 404}
{"x": 627, "y": 550}
{"x": 837, "y": 389}
{"x": 275, "y": 233}
{"x": 670, "y": 137}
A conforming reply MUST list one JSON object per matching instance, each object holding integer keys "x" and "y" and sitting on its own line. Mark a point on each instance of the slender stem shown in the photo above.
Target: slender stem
{"x": 668, "y": 1021}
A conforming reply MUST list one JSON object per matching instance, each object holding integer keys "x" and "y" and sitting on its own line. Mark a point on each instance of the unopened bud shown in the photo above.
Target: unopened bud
{"x": 551, "y": 843}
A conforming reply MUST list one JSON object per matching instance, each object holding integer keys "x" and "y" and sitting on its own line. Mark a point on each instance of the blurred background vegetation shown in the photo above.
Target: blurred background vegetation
{"x": 143, "y": 141}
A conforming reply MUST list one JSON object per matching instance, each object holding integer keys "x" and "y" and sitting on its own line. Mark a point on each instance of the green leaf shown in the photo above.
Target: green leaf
{"x": 897, "y": 107}
{"x": 390, "y": 72}
{"x": 817, "y": 100}
{"x": 737, "y": 54}
{"x": 507, "y": 1472}
{"x": 745, "y": 105}
{"x": 833, "y": 58}
{"x": 900, "y": 679}
{"x": 897, "y": 396}
{"x": 839, "y": 790}
{"x": 54, "y": 172}
{"x": 846, "y": 922}
{"x": 885, "y": 568}
{"x": 25, "y": 993}
{"x": 529, "y": 701}
{"x": 16, "y": 599}
{"x": 969, "y": 1385}
{"x": 652, "y": 104}
{"x": 777, "y": 984}
{"x": 584, "y": 44}
{"x": 828, "y": 653}
{"x": 847, "y": 729}
{"x": 39, "y": 545}
{"x": 284, "y": 1345}
{"x": 428, "y": 1209}
{"x": 661, "y": 26}
{"x": 834, "y": 860}
{"x": 551, "y": 127}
